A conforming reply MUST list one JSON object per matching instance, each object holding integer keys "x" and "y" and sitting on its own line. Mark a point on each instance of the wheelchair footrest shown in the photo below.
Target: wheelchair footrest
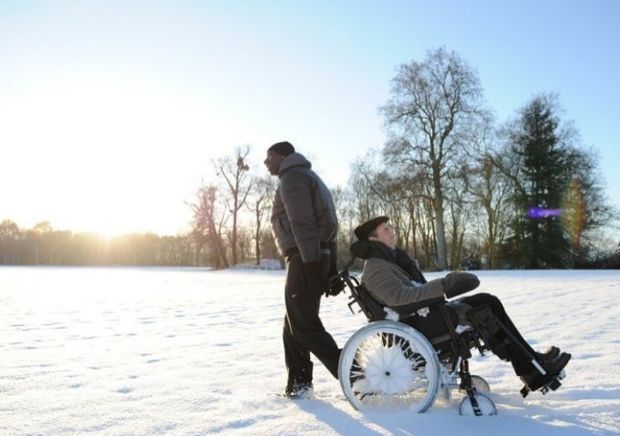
{"x": 553, "y": 384}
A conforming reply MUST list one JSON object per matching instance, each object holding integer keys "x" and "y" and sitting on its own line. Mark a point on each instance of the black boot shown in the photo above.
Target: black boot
{"x": 535, "y": 380}
{"x": 549, "y": 354}
{"x": 299, "y": 384}
{"x": 299, "y": 391}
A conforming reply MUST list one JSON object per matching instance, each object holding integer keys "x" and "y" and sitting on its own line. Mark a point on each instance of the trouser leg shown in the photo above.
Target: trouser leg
{"x": 303, "y": 329}
{"x": 296, "y": 356}
{"x": 518, "y": 357}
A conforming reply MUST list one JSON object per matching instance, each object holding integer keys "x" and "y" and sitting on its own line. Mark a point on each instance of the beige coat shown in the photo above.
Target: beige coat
{"x": 389, "y": 284}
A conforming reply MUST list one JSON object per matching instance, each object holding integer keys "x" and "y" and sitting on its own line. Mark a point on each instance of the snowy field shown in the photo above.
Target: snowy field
{"x": 188, "y": 351}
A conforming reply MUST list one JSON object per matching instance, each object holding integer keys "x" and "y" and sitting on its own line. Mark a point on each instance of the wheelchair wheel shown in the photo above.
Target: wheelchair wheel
{"x": 480, "y": 384}
{"x": 388, "y": 367}
{"x": 485, "y": 405}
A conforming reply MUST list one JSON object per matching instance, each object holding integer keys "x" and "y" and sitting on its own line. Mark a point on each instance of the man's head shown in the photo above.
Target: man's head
{"x": 276, "y": 154}
{"x": 377, "y": 229}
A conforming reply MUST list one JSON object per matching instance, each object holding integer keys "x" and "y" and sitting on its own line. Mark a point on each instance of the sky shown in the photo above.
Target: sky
{"x": 111, "y": 111}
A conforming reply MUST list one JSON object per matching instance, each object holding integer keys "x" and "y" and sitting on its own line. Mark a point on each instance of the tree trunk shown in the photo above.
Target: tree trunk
{"x": 442, "y": 254}
{"x": 257, "y": 235}
{"x": 234, "y": 234}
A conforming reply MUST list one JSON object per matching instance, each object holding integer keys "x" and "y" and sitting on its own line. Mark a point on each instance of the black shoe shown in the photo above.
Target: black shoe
{"x": 535, "y": 380}
{"x": 299, "y": 391}
{"x": 548, "y": 355}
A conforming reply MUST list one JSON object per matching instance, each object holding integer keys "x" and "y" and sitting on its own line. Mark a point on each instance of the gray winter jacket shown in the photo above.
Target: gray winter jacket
{"x": 390, "y": 285}
{"x": 303, "y": 215}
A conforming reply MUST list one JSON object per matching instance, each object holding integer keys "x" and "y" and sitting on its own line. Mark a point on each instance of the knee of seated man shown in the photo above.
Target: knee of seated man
{"x": 488, "y": 299}
{"x": 484, "y": 318}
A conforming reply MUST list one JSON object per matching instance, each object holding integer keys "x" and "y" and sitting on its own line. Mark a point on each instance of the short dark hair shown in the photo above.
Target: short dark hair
{"x": 283, "y": 148}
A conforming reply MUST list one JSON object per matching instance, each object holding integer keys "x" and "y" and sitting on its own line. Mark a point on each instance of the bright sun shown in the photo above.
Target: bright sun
{"x": 107, "y": 236}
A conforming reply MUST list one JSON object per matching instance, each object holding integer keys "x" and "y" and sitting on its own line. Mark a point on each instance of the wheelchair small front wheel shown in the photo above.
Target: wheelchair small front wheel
{"x": 486, "y": 406}
{"x": 480, "y": 384}
{"x": 387, "y": 367}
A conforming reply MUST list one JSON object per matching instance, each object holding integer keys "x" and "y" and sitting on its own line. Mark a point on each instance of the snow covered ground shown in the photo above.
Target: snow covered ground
{"x": 189, "y": 351}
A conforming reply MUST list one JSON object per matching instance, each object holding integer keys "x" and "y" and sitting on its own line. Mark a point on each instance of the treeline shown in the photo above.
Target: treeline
{"x": 462, "y": 189}
{"x": 42, "y": 245}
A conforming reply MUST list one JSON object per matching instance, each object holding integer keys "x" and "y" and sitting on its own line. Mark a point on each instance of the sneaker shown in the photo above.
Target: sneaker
{"x": 299, "y": 391}
{"x": 535, "y": 380}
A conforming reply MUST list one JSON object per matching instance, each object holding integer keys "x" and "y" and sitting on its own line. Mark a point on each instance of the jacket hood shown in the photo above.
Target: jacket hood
{"x": 294, "y": 160}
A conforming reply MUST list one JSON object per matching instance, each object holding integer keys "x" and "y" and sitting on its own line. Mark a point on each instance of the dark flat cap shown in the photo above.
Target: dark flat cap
{"x": 364, "y": 230}
{"x": 284, "y": 148}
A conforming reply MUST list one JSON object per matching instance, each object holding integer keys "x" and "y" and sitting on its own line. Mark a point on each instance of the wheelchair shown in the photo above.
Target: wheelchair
{"x": 388, "y": 366}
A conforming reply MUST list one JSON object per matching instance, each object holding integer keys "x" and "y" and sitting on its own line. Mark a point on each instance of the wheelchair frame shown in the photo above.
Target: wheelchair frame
{"x": 402, "y": 335}
{"x": 443, "y": 370}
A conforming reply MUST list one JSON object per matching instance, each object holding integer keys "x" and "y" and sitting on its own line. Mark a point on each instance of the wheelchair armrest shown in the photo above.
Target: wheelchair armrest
{"x": 409, "y": 309}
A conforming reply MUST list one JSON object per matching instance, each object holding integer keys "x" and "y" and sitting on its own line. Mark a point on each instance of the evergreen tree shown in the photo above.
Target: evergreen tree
{"x": 552, "y": 179}
{"x": 538, "y": 228}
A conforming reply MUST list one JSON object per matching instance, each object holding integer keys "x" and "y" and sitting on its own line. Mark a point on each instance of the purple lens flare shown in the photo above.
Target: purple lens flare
{"x": 542, "y": 212}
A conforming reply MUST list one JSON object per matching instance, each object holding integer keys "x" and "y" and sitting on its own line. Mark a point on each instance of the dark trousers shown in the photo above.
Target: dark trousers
{"x": 431, "y": 326}
{"x": 303, "y": 330}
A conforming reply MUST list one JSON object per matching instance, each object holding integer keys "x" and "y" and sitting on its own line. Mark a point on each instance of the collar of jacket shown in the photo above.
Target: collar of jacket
{"x": 293, "y": 160}
{"x": 368, "y": 249}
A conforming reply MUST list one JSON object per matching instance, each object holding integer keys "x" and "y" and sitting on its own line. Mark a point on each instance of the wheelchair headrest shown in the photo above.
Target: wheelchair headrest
{"x": 360, "y": 249}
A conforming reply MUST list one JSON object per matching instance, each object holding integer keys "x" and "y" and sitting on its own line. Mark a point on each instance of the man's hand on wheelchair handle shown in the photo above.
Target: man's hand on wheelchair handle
{"x": 336, "y": 283}
{"x": 336, "y": 286}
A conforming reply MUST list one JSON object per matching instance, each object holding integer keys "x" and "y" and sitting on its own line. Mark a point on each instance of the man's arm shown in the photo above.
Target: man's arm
{"x": 296, "y": 194}
{"x": 387, "y": 287}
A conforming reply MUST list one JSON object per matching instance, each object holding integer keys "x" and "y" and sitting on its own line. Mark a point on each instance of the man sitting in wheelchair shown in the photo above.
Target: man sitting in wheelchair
{"x": 394, "y": 280}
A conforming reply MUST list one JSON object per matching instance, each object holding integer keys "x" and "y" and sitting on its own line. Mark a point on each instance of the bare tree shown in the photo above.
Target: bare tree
{"x": 380, "y": 188}
{"x": 208, "y": 223}
{"x": 433, "y": 105}
{"x": 259, "y": 204}
{"x": 235, "y": 172}
{"x": 363, "y": 199}
{"x": 244, "y": 242}
{"x": 9, "y": 235}
{"x": 491, "y": 189}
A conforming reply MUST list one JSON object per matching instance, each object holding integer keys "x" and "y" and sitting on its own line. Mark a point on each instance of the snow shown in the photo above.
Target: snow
{"x": 269, "y": 264}
{"x": 191, "y": 351}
